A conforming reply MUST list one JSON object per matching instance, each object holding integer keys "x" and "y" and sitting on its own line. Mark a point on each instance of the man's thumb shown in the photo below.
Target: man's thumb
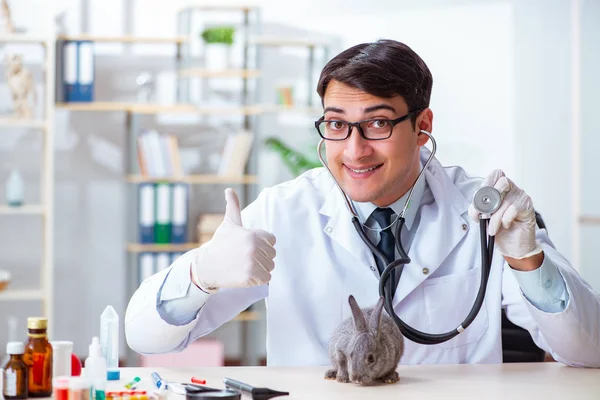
{"x": 232, "y": 209}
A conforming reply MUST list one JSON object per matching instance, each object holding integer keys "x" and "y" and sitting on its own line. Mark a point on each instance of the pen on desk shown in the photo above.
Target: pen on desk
{"x": 133, "y": 384}
{"x": 258, "y": 393}
{"x": 158, "y": 382}
{"x": 172, "y": 386}
{"x": 198, "y": 380}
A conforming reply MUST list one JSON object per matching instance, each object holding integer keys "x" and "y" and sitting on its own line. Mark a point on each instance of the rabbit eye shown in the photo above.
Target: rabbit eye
{"x": 370, "y": 359}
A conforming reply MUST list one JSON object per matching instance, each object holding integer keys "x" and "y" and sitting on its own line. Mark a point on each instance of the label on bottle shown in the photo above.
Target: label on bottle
{"x": 38, "y": 368}
{"x": 10, "y": 383}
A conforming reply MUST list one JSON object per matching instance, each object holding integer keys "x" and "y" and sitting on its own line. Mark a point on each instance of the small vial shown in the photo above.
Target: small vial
{"x": 60, "y": 386}
{"x": 80, "y": 388}
{"x": 15, "y": 372}
{"x": 109, "y": 340}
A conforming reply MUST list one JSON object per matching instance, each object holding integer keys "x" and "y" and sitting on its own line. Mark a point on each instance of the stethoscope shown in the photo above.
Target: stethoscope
{"x": 486, "y": 200}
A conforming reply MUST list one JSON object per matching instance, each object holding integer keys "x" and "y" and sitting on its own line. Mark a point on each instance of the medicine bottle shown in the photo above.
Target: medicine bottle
{"x": 38, "y": 357}
{"x": 15, "y": 372}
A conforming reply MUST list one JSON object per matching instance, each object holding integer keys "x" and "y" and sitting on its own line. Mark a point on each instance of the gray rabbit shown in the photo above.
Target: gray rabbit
{"x": 366, "y": 348}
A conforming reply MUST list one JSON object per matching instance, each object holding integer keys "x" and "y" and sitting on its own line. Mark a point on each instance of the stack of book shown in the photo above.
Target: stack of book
{"x": 162, "y": 204}
{"x": 236, "y": 153}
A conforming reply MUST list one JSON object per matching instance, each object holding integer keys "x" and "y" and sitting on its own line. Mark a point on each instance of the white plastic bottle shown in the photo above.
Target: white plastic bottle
{"x": 109, "y": 340}
{"x": 95, "y": 369}
{"x": 14, "y": 189}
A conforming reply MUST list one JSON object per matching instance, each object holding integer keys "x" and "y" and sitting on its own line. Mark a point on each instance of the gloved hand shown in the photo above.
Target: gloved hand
{"x": 513, "y": 223}
{"x": 235, "y": 256}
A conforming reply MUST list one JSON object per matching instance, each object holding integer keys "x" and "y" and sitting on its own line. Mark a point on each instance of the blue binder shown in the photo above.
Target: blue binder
{"x": 78, "y": 71}
{"x": 146, "y": 212}
{"x": 179, "y": 221}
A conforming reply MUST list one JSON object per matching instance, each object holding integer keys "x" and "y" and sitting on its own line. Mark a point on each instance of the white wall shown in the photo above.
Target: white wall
{"x": 501, "y": 100}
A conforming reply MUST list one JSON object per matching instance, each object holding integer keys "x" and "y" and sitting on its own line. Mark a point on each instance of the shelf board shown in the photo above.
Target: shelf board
{"x": 24, "y": 38}
{"x": 22, "y": 122}
{"x": 276, "y": 41}
{"x": 588, "y": 219}
{"x": 248, "y": 316}
{"x": 139, "y": 108}
{"x": 293, "y": 108}
{"x": 219, "y": 73}
{"x": 157, "y": 248}
{"x": 196, "y": 179}
{"x": 16, "y": 294}
{"x": 223, "y": 7}
{"x": 95, "y": 106}
{"x": 125, "y": 39}
{"x": 191, "y": 109}
{"x": 23, "y": 210}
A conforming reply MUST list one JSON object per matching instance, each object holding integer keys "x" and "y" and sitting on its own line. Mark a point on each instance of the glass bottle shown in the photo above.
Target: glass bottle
{"x": 38, "y": 357}
{"x": 15, "y": 372}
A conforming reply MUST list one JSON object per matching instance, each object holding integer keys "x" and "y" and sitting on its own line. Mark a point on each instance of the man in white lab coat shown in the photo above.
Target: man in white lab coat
{"x": 296, "y": 247}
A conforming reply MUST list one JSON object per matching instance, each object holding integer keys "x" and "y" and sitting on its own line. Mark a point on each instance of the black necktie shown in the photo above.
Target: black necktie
{"x": 386, "y": 243}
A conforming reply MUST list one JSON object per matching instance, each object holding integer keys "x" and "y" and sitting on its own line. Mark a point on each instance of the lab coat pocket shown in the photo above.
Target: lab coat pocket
{"x": 449, "y": 300}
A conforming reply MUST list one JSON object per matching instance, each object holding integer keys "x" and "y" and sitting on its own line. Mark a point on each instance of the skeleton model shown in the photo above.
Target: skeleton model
{"x": 20, "y": 82}
{"x": 5, "y": 14}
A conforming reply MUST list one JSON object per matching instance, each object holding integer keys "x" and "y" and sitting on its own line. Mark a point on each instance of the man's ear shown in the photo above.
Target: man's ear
{"x": 424, "y": 122}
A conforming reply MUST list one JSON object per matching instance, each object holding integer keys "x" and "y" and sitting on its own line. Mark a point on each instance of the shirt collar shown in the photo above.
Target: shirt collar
{"x": 364, "y": 210}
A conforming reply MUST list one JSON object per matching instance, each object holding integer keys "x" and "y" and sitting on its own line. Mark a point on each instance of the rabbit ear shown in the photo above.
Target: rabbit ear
{"x": 376, "y": 316}
{"x": 359, "y": 319}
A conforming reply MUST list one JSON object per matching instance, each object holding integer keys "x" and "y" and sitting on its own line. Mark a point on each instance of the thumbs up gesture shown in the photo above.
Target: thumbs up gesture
{"x": 235, "y": 256}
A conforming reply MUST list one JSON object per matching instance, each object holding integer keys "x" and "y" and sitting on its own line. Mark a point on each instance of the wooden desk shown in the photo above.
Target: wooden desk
{"x": 529, "y": 381}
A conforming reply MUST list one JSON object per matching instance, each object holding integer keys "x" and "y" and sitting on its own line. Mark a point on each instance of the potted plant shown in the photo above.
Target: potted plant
{"x": 218, "y": 41}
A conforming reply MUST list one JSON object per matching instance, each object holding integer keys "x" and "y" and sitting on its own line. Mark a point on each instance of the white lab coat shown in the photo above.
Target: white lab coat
{"x": 321, "y": 261}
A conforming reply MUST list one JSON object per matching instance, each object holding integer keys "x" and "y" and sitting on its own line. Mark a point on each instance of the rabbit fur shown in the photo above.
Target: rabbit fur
{"x": 366, "y": 348}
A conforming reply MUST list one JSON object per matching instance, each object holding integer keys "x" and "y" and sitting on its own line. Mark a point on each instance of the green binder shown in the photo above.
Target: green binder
{"x": 162, "y": 224}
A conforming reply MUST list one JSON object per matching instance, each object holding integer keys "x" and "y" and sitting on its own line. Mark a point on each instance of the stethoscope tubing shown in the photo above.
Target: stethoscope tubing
{"x": 386, "y": 290}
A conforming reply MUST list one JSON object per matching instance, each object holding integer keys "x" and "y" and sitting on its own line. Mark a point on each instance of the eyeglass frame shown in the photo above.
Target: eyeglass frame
{"x": 357, "y": 124}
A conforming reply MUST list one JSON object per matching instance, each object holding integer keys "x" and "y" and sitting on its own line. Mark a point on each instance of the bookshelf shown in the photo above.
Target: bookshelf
{"x": 189, "y": 70}
{"x": 44, "y": 126}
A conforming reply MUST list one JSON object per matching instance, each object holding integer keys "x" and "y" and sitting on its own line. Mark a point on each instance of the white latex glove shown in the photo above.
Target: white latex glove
{"x": 513, "y": 223}
{"x": 235, "y": 256}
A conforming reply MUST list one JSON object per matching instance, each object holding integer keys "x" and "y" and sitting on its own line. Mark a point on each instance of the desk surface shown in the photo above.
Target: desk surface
{"x": 494, "y": 381}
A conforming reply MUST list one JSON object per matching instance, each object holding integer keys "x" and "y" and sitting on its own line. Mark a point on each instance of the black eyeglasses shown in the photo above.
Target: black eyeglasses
{"x": 370, "y": 129}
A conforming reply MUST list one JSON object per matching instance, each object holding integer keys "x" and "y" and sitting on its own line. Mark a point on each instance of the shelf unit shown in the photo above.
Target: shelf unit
{"x": 133, "y": 112}
{"x": 191, "y": 71}
{"x": 45, "y": 125}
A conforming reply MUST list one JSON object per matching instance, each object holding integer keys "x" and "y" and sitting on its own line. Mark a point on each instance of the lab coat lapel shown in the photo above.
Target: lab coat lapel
{"x": 440, "y": 229}
{"x": 339, "y": 228}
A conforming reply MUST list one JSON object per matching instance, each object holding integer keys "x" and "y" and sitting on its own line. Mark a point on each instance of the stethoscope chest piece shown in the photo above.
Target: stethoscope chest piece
{"x": 487, "y": 200}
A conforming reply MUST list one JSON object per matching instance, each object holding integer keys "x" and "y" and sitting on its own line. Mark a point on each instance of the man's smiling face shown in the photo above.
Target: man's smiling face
{"x": 377, "y": 171}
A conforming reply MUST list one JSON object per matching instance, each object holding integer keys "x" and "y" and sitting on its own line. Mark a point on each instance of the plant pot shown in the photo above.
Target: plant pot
{"x": 217, "y": 56}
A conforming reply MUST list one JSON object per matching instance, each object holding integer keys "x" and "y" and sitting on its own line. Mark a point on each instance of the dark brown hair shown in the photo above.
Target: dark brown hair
{"x": 385, "y": 68}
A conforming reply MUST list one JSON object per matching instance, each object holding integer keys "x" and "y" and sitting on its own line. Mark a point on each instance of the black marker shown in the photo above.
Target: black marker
{"x": 257, "y": 393}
